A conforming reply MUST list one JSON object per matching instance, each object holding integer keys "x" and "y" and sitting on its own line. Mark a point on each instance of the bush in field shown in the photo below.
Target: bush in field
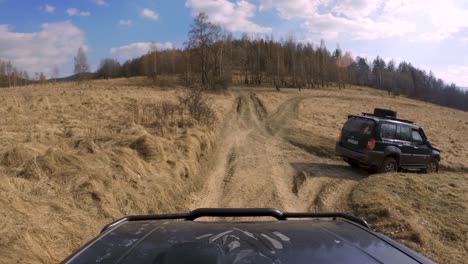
{"x": 220, "y": 84}
{"x": 195, "y": 101}
{"x": 192, "y": 105}
{"x": 159, "y": 115}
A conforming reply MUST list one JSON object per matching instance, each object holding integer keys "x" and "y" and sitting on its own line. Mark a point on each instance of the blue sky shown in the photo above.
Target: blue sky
{"x": 431, "y": 34}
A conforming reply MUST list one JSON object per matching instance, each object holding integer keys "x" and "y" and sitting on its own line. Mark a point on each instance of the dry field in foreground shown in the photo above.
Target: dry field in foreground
{"x": 74, "y": 157}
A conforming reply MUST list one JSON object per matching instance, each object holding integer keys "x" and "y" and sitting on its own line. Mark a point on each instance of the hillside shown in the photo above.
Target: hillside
{"x": 425, "y": 212}
{"x": 74, "y": 77}
{"x": 74, "y": 157}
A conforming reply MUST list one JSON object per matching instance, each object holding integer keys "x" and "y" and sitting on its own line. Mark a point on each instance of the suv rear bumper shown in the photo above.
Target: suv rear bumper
{"x": 368, "y": 157}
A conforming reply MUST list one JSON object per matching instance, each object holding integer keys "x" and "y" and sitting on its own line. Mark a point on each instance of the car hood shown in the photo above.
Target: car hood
{"x": 311, "y": 241}
{"x": 435, "y": 148}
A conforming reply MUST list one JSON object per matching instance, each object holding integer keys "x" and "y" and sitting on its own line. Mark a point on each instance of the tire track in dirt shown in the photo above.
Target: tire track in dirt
{"x": 260, "y": 109}
{"x": 228, "y": 178}
{"x": 254, "y": 166}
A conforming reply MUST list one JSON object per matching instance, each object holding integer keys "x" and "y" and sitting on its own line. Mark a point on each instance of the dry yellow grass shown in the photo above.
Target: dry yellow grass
{"x": 428, "y": 213}
{"x": 74, "y": 157}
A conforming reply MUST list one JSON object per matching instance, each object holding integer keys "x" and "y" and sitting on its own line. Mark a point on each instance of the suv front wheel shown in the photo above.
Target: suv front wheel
{"x": 388, "y": 165}
{"x": 432, "y": 166}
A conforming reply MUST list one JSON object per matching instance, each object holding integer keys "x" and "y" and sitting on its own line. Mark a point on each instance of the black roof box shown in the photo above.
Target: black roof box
{"x": 388, "y": 114}
{"x": 380, "y": 112}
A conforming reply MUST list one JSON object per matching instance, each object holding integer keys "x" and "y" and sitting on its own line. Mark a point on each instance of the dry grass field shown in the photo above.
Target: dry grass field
{"x": 74, "y": 157}
{"x": 426, "y": 212}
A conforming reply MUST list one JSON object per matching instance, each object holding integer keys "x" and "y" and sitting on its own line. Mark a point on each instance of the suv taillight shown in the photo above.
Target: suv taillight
{"x": 340, "y": 137}
{"x": 371, "y": 144}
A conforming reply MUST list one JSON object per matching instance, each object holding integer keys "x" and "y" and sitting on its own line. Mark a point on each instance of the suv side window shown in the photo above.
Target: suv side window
{"x": 388, "y": 131}
{"x": 417, "y": 138}
{"x": 404, "y": 133}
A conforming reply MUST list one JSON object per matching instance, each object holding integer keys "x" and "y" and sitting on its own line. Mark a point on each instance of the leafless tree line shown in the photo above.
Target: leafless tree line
{"x": 214, "y": 59}
{"x": 11, "y": 76}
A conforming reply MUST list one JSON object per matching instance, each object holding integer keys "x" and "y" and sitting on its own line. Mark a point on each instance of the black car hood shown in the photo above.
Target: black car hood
{"x": 312, "y": 241}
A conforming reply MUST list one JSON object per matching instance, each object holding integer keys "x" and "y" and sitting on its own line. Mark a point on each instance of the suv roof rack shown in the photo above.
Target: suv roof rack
{"x": 237, "y": 212}
{"x": 389, "y": 117}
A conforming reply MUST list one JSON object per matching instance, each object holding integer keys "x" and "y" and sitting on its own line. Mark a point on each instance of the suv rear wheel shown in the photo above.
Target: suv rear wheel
{"x": 432, "y": 166}
{"x": 388, "y": 165}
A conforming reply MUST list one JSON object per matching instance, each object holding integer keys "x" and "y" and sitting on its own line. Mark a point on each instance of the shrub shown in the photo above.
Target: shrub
{"x": 195, "y": 101}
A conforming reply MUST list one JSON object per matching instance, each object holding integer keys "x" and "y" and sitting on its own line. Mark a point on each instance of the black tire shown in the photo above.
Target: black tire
{"x": 388, "y": 165}
{"x": 372, "y": 170}
{"x": 432, "y": 166}
{"x": 354, "y": 164}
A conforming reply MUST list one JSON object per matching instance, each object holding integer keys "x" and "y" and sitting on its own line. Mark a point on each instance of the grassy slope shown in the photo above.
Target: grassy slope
{"x": 426, "y": 212}
{"x": 74, "y": 157}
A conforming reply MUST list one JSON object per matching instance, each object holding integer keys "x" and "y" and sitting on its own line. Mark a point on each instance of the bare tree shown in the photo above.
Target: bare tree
{"x": 14, "y": 76}
{"x": 81, "y": 64}
{"x": 2, "y": 68}
{"x": 202, "y": 38}
{"x": 342, "y": 66}
{"x": 109, "y": 68}
{"x": 152, "y": 62}
{"x": 25, "y": 77}
{"x": 55, "y": 73}
{"x": 9, "y": 72}
{"x": 42, "y": 78}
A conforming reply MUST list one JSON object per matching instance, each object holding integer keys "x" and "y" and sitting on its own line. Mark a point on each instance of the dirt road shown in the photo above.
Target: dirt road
{"x": 255, "y": 165}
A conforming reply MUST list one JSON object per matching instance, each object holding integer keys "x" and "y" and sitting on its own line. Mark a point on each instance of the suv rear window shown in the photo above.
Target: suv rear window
{"x": 359, "y": 125}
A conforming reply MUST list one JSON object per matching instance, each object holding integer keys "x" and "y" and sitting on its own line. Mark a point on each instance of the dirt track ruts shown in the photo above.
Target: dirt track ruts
{"x": 255, "y": 166}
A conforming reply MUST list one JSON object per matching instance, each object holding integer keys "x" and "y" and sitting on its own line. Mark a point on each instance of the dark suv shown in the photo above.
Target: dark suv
{"x": 382, "y": 142}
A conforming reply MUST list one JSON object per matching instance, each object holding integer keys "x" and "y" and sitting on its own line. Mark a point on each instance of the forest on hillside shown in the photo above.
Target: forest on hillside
{"x": 215, "y": 59}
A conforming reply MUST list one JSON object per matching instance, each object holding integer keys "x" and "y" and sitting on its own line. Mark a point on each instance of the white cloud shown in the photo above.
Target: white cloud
{"x": 150, "y": 14}
{"x": 54, "y": 44}
{"x": 332, "y": 19}
{"x": 331, "y": 27}
{"x": 455, "y": 73}
{"x": 356, "y": 8}
{"x": 232, "y": 16}
{"x": 433, "y": 36}
{"x": 443, "y": 19}
{"x": 100, "y": 2}
{"x": 288, "y": 9}
{"x": 124, "y": 22}
{"x": 72, "y": 11}
{"x": 76, "y": 12}
{"x": 48, "y": 9}
{"x": 137, "y": 49}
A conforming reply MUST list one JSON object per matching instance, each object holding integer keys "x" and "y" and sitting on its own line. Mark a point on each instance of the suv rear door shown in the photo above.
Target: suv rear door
{"x": 356, "y": 132}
